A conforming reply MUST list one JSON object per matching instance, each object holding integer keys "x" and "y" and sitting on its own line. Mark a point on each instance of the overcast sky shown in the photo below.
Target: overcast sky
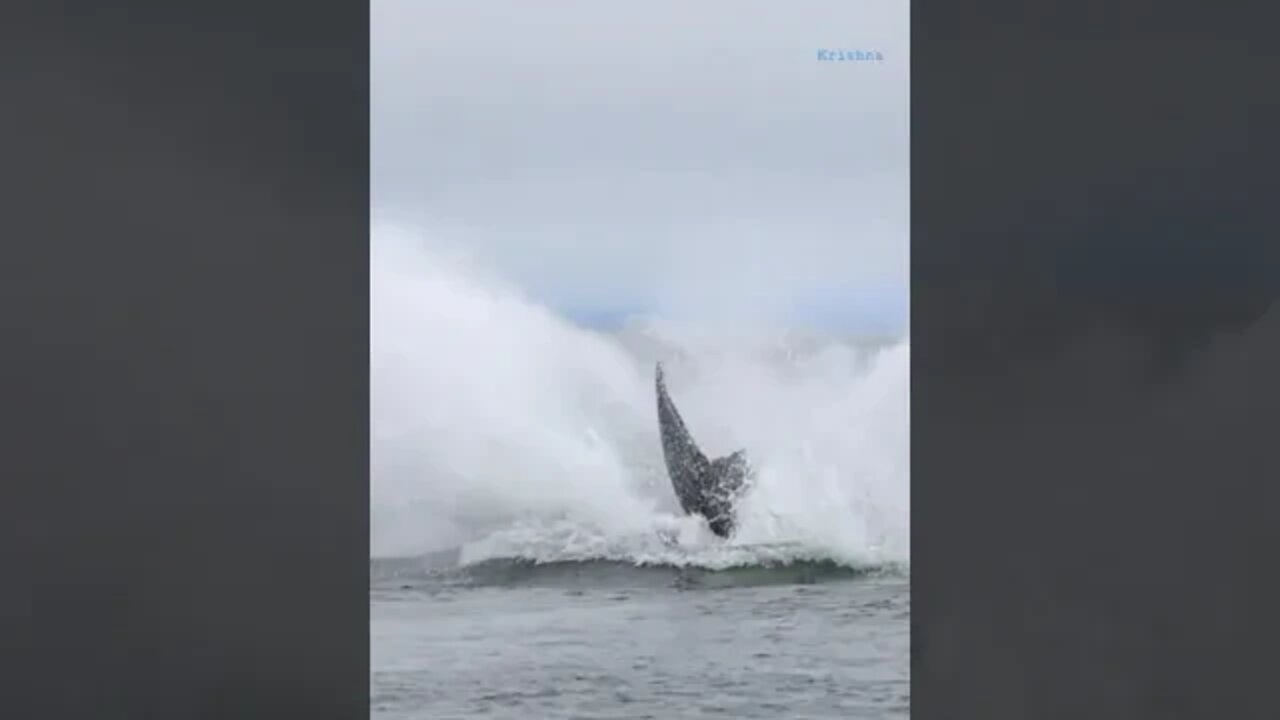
{"x": 656, "y": 155}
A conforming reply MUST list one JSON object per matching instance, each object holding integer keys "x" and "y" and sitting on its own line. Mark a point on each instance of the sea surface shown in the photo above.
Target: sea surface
{"x": 516, "y": 638}
{"x": 520, "y": 451}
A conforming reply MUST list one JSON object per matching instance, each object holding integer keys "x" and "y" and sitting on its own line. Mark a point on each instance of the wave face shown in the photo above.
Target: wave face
{"x": 507, "y": 436}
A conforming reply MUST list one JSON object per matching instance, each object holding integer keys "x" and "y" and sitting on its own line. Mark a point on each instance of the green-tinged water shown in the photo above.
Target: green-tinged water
{"x": 609, "y": 639}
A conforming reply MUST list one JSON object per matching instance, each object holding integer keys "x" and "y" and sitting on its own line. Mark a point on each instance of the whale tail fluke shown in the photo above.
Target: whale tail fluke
{"x": 709, "y": 488}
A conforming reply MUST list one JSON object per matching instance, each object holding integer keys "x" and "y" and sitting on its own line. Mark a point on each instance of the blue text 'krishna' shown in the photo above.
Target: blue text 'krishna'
{"x": 874, "y": 56}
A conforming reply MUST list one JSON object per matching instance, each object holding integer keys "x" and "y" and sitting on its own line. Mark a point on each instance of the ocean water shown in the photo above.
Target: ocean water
{"x": 530, "y": 560}
{"x": 511, "y": 639}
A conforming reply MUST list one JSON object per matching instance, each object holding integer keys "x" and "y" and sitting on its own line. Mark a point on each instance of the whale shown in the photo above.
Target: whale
{"x": 706, "y": 487}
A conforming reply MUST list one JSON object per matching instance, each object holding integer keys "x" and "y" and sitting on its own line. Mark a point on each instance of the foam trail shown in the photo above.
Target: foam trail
{"x": 503, "y": 428}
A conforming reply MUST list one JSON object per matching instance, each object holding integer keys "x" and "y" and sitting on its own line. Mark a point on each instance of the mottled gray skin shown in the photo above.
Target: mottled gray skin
{"x": 704, "y": 487}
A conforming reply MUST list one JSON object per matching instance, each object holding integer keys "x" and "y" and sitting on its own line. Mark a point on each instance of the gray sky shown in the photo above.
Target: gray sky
{"x": 656, "y": 155}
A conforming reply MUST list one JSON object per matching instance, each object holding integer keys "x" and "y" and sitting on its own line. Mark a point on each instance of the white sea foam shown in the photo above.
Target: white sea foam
{"x": 504, "y": 429}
